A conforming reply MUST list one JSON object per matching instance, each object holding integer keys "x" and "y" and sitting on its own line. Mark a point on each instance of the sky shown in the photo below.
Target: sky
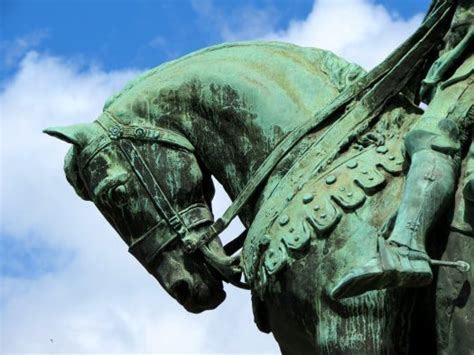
{"x": 67, "y": 282}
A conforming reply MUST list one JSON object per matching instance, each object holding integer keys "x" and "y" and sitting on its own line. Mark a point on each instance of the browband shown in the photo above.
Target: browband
{"x": 116, "y": 130}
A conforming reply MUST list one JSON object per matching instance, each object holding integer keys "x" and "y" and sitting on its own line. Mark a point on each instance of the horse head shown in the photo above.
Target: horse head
{"x": 150, "y": 187}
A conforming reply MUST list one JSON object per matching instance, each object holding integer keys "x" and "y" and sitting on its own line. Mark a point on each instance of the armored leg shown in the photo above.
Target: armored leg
{"x": 429, "y": 190}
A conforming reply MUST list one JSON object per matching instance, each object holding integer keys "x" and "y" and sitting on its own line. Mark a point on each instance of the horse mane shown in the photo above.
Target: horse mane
{"x": 340, "y": 72}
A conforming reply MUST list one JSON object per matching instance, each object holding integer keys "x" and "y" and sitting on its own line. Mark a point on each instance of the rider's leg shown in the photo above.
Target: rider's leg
{"x": 431, "y": 180}
{"x": 402, "y": 260}
{"x": 428, "y": 191}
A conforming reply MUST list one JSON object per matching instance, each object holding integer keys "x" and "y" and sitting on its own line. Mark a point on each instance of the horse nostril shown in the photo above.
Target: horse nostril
{"x": 181, "y": 291}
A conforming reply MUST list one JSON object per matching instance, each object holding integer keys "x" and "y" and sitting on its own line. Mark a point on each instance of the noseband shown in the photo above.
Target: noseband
{"x": 182, "y": 222}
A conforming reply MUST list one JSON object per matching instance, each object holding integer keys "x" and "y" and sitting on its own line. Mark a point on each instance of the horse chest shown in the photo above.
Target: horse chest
{"x": 309, "y": 208}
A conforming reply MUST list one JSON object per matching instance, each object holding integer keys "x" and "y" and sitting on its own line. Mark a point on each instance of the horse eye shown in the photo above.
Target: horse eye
{"x": 118, "y": 194}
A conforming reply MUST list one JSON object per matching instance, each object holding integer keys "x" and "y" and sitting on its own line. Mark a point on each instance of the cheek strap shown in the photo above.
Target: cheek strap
{"x": 152, "y": 187}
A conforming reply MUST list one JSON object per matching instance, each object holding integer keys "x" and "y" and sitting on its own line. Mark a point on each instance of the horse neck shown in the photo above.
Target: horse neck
{"x": 230, "y": 147}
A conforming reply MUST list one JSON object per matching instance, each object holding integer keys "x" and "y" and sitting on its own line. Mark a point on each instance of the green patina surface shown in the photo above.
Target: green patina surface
{"x": 345, "y": 232}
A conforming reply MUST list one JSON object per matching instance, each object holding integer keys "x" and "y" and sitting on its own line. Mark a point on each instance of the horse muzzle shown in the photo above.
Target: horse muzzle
{"x": 197, "y": 298}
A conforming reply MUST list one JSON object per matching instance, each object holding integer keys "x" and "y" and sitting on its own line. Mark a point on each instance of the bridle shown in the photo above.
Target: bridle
{"x": 371, "y": 91}
{"x": 182, "y": 223}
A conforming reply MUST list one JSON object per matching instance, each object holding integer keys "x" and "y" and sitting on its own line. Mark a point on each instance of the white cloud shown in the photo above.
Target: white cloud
{"x": 241, "y": 23}
{"x": 99, "y": 299}
{"x": 357, "y": 30}
{"x": 360, "y": 31}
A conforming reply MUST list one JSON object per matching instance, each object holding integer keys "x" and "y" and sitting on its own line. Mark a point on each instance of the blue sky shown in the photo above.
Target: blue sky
{"x": 143, "y": 33}
{"x": 67, "y": 282}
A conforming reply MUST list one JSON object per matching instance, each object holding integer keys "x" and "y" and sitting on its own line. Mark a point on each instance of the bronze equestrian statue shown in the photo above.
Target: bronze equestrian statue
{"x": 351, "y": 194}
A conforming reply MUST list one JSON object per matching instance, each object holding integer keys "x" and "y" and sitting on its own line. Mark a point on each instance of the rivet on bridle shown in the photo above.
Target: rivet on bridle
{"x": 115, "y": 132}
{"x": 139, "y": 132}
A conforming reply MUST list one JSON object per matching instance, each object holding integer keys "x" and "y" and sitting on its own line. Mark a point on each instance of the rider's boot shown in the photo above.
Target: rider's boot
{"x": 401, "y": 260}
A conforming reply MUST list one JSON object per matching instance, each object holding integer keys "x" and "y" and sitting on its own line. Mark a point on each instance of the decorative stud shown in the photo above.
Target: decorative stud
{"x": 331, "y": 179}
{"x": 391, "y": 157}
{"x": 115, "y": 132}
{"x": 382, "y": 149}
{"x": 307, "y": 198}
{"x": 352, "y": 164}
{"x": 316, "y": 208}
{"x": 139, "y": 132}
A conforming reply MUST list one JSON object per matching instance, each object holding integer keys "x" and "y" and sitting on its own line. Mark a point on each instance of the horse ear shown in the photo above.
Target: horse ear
{"x": 78, "y": 134}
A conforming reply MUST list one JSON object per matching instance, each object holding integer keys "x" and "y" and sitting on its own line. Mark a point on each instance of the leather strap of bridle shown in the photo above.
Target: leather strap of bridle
{"x": 116, "y": 130}
{"x": 152, "y": 187}
{"x": 374, "y": 89}
{"x": 146, "y": 247}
